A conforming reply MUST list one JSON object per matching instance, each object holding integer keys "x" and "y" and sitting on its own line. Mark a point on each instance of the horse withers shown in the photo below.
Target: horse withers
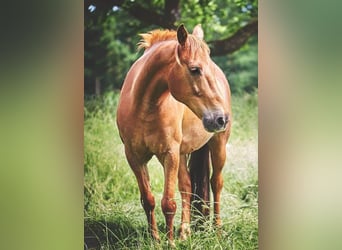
{"x": 175, "y": 102}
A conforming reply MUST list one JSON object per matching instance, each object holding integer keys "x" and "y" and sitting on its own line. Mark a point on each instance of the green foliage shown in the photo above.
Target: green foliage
{"x": 241, "y": 68}
{"x": 244, "y": 111}
{"x": 110, "y": 40}
{"x": 114, "y": 218}
{"x": 219, "y": 18}
{"x": 109, "y": 52}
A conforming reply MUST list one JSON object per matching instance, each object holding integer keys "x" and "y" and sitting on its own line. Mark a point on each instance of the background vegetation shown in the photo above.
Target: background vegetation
{"x": 114, "y": 218}
{"x": 112, "y": 28}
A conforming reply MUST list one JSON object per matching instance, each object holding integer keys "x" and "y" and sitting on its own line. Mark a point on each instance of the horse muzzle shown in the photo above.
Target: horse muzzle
{"x": 215, "y": 121}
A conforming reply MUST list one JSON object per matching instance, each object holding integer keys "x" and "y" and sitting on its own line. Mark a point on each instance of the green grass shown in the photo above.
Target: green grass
{"x": 114, "y": 218}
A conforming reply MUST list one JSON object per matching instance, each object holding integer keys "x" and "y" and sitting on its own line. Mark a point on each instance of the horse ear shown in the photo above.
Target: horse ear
{"x": 182, "y": 34}
{"x": 198, "y": 31}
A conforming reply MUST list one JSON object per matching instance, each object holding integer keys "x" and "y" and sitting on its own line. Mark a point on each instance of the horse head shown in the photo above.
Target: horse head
{"x": 196, "y": 81}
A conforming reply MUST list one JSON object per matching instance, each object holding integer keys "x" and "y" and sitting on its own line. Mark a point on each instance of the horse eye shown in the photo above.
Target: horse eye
{"x": 195, "y": 70}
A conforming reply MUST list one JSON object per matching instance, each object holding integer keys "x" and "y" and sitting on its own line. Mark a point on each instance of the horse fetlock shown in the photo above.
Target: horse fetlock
{"x": 217, "y": 220}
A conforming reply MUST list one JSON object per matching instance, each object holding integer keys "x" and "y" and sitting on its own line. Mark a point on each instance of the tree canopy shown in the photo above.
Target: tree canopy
{"x": 112, "y": 28}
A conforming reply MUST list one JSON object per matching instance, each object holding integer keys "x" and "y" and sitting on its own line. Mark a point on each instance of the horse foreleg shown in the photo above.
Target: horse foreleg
{"x": 146, "y": 196}
{"x": 170, "y": 161}
{"x": 147, "y": 201}
{"x": 218, "y": 158}
{"x": 184, "y": 186}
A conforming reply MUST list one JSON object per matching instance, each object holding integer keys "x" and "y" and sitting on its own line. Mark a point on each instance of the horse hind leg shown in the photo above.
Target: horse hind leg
{"x": 199, "y": 166}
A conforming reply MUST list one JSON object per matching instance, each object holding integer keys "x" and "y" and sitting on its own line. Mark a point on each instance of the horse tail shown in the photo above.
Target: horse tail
{"x": 199, "y": 166}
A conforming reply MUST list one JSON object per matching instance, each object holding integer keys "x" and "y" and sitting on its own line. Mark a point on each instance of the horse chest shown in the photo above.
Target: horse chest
{"x": 159, "y": 139}
{"x": 194, "y": 135}
{"x": 194, "y": 139}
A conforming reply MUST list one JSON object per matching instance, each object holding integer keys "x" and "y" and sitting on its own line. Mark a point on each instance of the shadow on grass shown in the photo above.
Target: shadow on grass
{"x": 124, "y": 232}
{"x": 112, "y": 234}
{"x": 240, "y": 232}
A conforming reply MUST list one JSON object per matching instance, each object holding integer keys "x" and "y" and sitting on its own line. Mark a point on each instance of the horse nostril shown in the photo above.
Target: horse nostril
{"x": 220, "y": 121}
{"x": 215, "y": 121}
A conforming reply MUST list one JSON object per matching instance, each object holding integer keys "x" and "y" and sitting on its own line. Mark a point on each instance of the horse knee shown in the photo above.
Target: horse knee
{"x": 168, "y": 206}
{"x": 148, "y": 202}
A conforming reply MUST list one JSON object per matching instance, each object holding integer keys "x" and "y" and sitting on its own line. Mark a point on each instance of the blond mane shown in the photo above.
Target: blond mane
{"x": 154, "y": 36}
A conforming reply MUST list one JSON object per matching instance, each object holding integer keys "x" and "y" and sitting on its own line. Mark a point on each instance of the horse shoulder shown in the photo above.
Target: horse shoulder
{"x": 163, "y": 129}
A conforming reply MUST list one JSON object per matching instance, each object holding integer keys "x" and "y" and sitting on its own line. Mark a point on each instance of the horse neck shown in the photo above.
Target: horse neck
{"x": 151, "y": 85}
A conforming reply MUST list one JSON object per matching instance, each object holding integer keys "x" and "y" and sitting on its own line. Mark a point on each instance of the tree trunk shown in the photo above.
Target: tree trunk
{"x": 97, "y": 86}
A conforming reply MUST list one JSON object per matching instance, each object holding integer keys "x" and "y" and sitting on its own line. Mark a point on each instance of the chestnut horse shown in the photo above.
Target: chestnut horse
{"x": 175, "y": 101}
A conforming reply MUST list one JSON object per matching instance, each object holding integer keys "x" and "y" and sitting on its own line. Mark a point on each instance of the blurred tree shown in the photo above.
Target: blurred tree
{"x": 111, "y": 28}
{"x": 241, "y": 67}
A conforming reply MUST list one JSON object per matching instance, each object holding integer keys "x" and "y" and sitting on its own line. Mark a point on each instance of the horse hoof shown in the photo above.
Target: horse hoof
{"x": 184, "y": 236}
{"x": 155, "y": 237}
{"x": 171, "y": 244}
{"x": 185, "y": 231}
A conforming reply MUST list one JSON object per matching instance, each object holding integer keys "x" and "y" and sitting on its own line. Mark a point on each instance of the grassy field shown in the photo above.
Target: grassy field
{"x": 114, "y": 218}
